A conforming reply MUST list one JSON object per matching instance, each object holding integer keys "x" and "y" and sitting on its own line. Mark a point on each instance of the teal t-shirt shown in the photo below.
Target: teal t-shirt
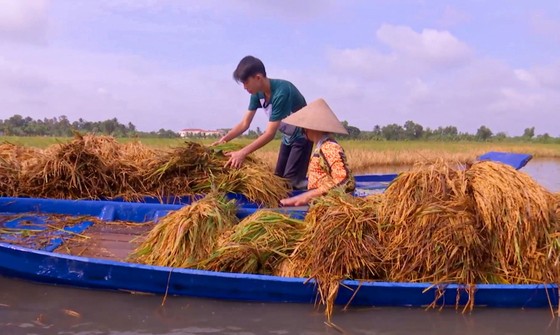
{"x": 285, "y": 99}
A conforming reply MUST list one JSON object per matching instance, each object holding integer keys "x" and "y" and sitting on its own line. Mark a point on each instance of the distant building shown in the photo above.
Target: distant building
{"x": 195, "y": 132}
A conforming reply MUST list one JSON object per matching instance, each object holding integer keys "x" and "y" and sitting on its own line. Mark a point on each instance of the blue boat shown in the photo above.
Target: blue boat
{"x": 45, "y": 264}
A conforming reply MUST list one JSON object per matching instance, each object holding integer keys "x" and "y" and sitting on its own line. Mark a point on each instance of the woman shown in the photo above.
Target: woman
{"x": 328, "y": 167}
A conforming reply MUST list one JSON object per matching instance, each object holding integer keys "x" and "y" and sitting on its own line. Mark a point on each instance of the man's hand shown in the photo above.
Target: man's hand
{"x": 220, "y": 141}
{"x": 236, "y": 158}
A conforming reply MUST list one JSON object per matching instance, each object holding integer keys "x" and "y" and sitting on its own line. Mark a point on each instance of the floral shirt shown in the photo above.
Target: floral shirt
{"x": 328, "y": 167}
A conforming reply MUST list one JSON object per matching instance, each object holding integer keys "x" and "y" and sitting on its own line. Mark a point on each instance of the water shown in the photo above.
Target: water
{"x": 546, "y": 172}
{"x": 30, "y": 308}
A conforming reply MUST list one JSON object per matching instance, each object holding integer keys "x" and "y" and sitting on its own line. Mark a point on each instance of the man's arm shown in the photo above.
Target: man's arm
{"x": 239, "y": 129}
{"x": 265, "y": 137}
{"x": 236, "y": 158}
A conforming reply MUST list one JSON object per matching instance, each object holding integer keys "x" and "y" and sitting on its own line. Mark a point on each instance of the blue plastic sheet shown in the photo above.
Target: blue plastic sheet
{"x": 514, "y": 159}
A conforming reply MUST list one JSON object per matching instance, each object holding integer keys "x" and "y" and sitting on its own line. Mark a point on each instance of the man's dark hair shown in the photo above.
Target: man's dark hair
{"x": 248, "y": 67}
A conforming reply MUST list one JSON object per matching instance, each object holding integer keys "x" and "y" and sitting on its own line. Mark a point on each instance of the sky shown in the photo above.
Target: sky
{"x": 168, "y": 64}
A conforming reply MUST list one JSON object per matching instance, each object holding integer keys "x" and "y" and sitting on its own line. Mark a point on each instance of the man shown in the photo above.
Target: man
{"x": 279, "y": 98}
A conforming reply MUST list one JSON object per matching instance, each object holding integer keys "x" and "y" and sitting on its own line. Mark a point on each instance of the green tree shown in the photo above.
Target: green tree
{"x": 393, "y": 132}
{"x": 483, "y": 133}
{"x": 529, "y": 133}
{"x": 413, "y": 131}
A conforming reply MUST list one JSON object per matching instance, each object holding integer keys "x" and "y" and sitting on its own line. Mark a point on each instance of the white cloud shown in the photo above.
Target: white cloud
{"x": 548, "y": 75}
{"x": 435, "y": 79}
{"x": 363, "y": 62}
{"x": 431, "y": 46}
{"x": 23, "y": 20}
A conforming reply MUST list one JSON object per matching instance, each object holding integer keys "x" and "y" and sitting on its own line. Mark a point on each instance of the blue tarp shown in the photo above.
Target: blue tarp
{"x": 514, "y": 159}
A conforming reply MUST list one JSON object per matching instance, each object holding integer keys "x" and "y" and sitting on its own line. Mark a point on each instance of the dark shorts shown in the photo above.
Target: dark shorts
{"x": 293, "y": 161}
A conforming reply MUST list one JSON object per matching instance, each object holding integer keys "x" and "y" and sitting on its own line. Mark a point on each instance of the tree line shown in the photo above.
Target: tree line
{"x": 18, "y": 125}
{"x": 413, "y": 131}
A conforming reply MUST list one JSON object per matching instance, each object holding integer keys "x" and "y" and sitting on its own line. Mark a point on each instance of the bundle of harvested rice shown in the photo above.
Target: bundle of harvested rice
{"x": 186, "y": 236}
{"x": 135, "y": 151}
{"x": 519, "y": 217}
{"x": 12, "y": 158}
{"x": 177, "y": 171}
{"x": 255, "y": 182}
{"x": 86, "y": 167}
{"x": 258, "y": 244}
{"x": 433, "y": 234}
{"x": 557, "y": 207}
{"x": 441, "y": 243}
{"x": 342, "y": 241}
{"x": 424, "y": 183}
{"x": 427, "y": 213}
{"x": 135, "y": 160}
{"x": 196, "y": 169}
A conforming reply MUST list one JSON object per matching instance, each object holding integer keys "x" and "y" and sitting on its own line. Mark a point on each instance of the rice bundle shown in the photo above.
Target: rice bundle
{"x": 255, "y": 182}
{"x": 12, "y": 157}
{"x": 556, "y": 200}
{"x": 423, "y": 184}
{"x": 194, "y": 169}
{"x": 258, "y": 244}
{"x": 441, "y": 244}
{"x": 186, "y": 236}
{"x": 135, "y": 159}
{"x": 342, "y": 240}
{"x": 426, "y": 211}
{"x": 519, "y": 217}
{"x": 176, "y": 172}
{"x": 86, "y": 167}
{"x": 433, "y": 232}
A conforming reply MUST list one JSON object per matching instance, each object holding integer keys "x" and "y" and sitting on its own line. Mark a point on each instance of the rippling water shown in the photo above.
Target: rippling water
{"x": 29, "y": 308}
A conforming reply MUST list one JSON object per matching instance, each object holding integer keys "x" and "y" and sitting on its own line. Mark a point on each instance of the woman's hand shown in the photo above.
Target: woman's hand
{"x": 298, "y": 200}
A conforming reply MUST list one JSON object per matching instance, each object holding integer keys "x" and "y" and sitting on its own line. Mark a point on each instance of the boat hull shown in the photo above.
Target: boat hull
{"x": 52, "y": 268}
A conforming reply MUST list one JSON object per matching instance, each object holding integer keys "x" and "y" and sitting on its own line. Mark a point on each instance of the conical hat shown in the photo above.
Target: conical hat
{"x": 316, "y": 116}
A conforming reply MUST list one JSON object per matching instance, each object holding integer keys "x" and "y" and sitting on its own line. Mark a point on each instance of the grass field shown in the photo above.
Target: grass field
{"x": 362, "y": 155}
